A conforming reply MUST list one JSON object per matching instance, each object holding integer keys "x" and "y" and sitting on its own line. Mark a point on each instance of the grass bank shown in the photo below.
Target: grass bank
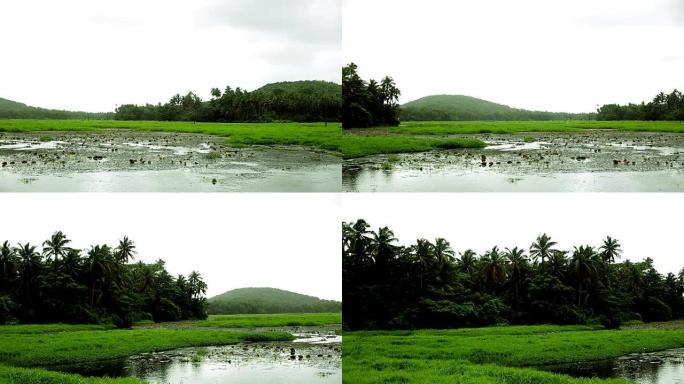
{"x": 67, "y": 347}
{"x": 316, "y": 135}
{"x": 270, "y": 320}
{"x": 364, "y": 145}
{"x": 13, "y": 375}
{"x": 490, "y": 355}
{"x": 502, "y": 127}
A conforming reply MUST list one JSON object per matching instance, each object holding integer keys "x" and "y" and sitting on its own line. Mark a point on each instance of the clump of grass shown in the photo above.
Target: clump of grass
{"x": 45, "y": 138}
{"x": 202, "y": 351}
{"x": 393, "y": 158}
{"x": 213, "y": 155}
{"x": 386, "y": 166}
{"x": 529, "y": 139}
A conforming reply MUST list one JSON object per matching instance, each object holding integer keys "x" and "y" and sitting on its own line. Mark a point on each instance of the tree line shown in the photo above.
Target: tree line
{"x": 58, "y": 283}
{"x": 427, "y": 284}
{"x": 304, "y": 101}
{"x": 368, "y": 103}
{"x": 662, "y": 107}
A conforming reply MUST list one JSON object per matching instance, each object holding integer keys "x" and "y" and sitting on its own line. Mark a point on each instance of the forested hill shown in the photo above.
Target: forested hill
{"x": 459, "y": 107}
{"x": 14, "y": 110}
{"x": 268, "y": 300}
{"x": 309, "y": 100}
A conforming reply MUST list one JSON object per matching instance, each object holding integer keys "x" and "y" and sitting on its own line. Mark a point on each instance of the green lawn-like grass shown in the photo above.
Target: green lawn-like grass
{"x": 14, "y": 375}
{"x": 490, "y": 355}
{"x": 316, "y": 135}
{"x": 421, "y": 136}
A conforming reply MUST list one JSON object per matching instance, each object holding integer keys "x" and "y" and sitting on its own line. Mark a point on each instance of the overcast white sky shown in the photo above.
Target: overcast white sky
{"x": 646, "y": 224}
{"x": 288, "y": 241}
{"x": 564, "y": 55}
{"x": 92, "y": 55}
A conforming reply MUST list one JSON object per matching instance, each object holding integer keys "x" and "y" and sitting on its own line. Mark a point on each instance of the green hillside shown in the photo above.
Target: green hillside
{"x": 303, "y": 87}
{"x": 14, "y": 110}
{"x": 268, "y": 300}
{"x": 459, "y": 107}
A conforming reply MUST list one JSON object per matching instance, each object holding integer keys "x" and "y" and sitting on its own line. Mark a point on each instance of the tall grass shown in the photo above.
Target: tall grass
{"x": 270, "y": 320}
{"x": 14, "y": 375}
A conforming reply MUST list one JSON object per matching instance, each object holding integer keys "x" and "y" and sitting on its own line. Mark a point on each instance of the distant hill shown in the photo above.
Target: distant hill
{"x": 303, "y": 87}
{"x": 268, "y": 300}
{"x": 459, "y": 107}
{"x": 14, "y": 110}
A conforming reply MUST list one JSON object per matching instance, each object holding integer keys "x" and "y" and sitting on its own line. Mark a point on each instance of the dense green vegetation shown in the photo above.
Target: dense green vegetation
{"x": 426, "y": 285}
{"x": 459, "y": 107}
{"x": 97, "y": 285}
{"x": 302, "y": 101}
{"x": 13, "y": 110}
{"x": 368, "y": 103}
{"x": 490, "y": 355}
{"x": 270, "y": 320}
{"x": 320, "y": 135}
{"x": 268, "y": 300}
{"x": 662, "y": 107}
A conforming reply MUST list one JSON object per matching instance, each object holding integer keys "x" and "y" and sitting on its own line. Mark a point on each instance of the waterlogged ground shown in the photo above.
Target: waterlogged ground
{"x": 592, "y": 160}
{"x": 314, "y": 357}
{"x": 122, "y": 160}
{"x": 664, "y": 367}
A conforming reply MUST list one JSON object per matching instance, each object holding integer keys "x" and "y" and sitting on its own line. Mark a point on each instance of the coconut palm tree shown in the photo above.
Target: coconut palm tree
{"x": 197, "y": 286}
{"x": 381, "y": 246}
{"x": 557, "y": 263}
{"x": 30, "y": 264}
{"x": 467, "y": 262}
{"x": 542, "y": 248}
{"x": 494, "y": 267}
{"x": 584, "y": 265}
{"x": 610, "y": 250}
{"x": 8, "y": 265}
{"x": 444, "y": 259}
{"x": 56, "y": 246}
{"x": 98, "y": 266}
{"x": 423, "y": 251}
{"x": 125, "y": 251}
{"x": 518, "y": 267}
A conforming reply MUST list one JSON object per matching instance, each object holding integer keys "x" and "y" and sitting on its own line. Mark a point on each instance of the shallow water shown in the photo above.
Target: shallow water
{"x": 665, "y": 367}
{"x": 239, "y": 364}
{"x": 123, "y": 161}
{"x": 581, "y": 162}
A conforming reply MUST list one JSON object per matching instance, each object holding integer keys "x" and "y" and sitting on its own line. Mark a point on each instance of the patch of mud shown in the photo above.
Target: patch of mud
{"x": 122, "y": 160}
{"x": 584, "y": 161}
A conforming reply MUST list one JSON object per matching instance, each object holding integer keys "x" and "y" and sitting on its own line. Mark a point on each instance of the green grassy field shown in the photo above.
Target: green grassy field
{"x": 316, "y": 135}
{"x": 420, "y": 136}
{"x": 24, "y": 349}
{"x": 491, "y": 355}
{"x": 275, "y": 320}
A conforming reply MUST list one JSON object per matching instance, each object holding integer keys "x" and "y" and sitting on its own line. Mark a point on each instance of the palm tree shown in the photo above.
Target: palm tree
{"x": 466, "y": 263}
{"x": 557, "y": 263}
{"x": 610, "y": 250}
{"x": 8, "y": 265}
{"x": 125, "y": 251}
{"x": 494, "y": 267}
{"x": 98, "y": 266}
{"x": 29, "y": 268}
{"x": 56, "y": 246}
{"x": 584, "y": 265}
{"x": 197, "y": 286}
{"x": 542, "y": 248}
{"x": 383, "y": 250}
{"x": 423, "y": 251}
{"x": 518, "y": 267}
{"x": 357, "y": 241}
{"x": 444, "y": 258}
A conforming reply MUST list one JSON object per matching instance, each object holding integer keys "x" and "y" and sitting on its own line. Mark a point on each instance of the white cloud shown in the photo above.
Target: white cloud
{"x": 567, "y": 55}
{"x": 86, "y": 55}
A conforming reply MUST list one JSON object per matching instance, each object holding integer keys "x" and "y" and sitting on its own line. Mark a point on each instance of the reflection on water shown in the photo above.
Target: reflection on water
{"x": 448, "y": 180}
{"x": 665, "y": 367}
{"x": 241, "y": 364}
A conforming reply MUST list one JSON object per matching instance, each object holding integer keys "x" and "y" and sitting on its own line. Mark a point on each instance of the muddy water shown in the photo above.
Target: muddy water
{"x": 315, "y": 359}
{"x": 665, "y": 367}
{"x": 586, "y": 161}
{"x": 133, "y": 161}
